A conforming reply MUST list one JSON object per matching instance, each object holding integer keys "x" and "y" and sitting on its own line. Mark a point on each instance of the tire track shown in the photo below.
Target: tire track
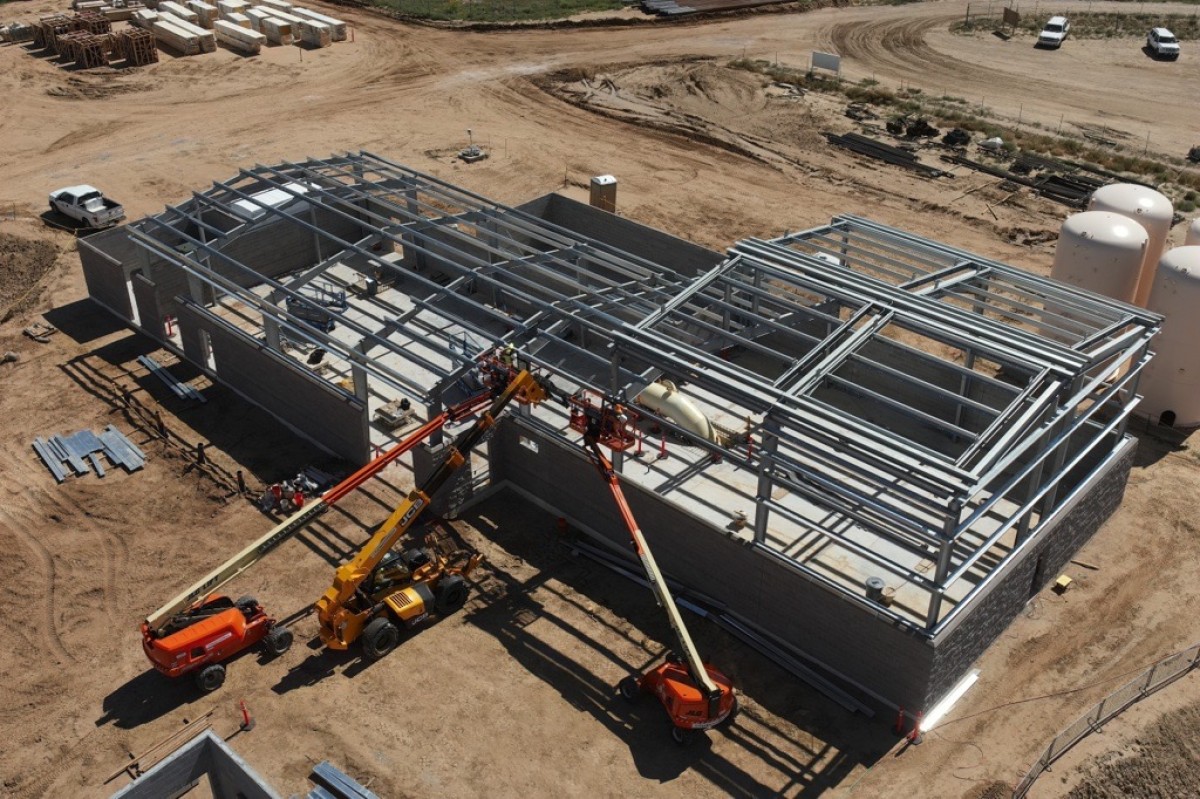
{"x": 18, "y": 516}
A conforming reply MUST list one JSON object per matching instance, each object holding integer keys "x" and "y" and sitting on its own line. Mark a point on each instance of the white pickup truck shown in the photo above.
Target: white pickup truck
{"x": 87, "y": 205}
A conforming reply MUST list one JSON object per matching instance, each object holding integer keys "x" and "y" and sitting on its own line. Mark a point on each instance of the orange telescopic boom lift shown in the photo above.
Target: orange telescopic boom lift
{"x": 695, "y": 695}
{"x": 199, "y": 629}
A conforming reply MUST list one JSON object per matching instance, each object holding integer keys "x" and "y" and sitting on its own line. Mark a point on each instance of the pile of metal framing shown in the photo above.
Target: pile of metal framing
{"x": 84, "y": 447}
{"x": 939, "y": 403}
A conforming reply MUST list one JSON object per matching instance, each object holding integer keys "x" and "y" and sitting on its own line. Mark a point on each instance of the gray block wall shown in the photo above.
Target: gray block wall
{"x": 654, "y": 245}
{"x": 958, "y": 647}
{"x": 205, "y": 757}
{"x": 145, "y": 295}
{"x": 891, "y": 661}
{"x": 105, "y": 278}
{"x": 282, "y": 387}
{"x": 902, "y": 667}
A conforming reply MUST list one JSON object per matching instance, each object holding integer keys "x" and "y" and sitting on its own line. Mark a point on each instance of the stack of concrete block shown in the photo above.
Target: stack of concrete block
{"x": 241, "y": 20}
{"x": 239, "y": 38}
{"x": 337, "y": 28}
{"x": 144, "y": 18}
{"x": 168, "y": 30}
{"x": 178, "y": 11}
{"x": 277, "y": 31}
{"x": 206, "y": 13}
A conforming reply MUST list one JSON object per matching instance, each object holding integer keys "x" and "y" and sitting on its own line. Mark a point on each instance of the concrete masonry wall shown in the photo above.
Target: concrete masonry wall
{"x": 105, "y": 278}
{"x": 891, "y": 661}
{"x": 957, "y": 648}
{"x": 145, "y": 295}
{"x": 902, "y": 667}
{"x": 228, "y": 776}
{"x": 654, "y": 245}
{"x": 282, "y": 387}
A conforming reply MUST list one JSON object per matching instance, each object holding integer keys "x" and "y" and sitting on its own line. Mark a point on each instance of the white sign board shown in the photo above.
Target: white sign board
{"x": 828, "y": 61}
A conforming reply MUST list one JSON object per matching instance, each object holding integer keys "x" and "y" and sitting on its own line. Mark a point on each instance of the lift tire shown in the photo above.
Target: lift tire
{"x": 210, "y": 678}
{"x": 379, "y": 637}
{"x": 247, "y": 601}
{"x": 451, "y": 594}
{"x": 278, "y": 640}
{"x": 733, "y": 711}
{"x": 682, "y": 737}
{"x": 629, "y": 689}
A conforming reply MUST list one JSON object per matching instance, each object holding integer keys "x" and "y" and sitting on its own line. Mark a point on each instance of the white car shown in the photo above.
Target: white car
{"x": 1054, "y": 32}
{"x": 1162, "y": 43}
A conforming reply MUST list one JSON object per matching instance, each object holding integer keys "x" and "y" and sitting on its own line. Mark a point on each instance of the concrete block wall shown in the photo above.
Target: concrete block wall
{"x": 654, "y": 245}
{"x": 957, "y": 648}
{"x": 890, "y": 660}
{"x": 105, "y": 276}
{"x": 284, "y": 388}
{"x": 145, "y": 295}
{"x": 903, "y": 667}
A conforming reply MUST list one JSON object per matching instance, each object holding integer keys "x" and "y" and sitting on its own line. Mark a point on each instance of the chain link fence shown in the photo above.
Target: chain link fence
{"x": 1157, "y": 676}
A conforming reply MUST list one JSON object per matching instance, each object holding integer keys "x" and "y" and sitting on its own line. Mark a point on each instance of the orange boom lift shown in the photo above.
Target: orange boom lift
{"x": 695, "y": 695}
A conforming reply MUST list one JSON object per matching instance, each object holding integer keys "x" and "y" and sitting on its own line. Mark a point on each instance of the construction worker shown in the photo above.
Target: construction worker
{"x": 508, "y": 355}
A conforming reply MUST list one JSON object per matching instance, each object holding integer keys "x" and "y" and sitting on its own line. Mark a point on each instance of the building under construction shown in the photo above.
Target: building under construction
{"x": 877, "y": 447}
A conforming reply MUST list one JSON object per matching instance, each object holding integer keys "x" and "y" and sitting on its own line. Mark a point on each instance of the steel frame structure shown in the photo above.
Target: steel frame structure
{"x": 905, "y": 389}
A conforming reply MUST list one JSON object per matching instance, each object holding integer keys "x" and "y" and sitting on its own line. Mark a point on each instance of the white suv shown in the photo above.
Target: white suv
{"x": 1162, "y": 43}
{"x": 1054, "y": 32}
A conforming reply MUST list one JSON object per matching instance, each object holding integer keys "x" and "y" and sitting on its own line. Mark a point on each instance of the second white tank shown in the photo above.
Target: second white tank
{"x": 1101, "y": 251}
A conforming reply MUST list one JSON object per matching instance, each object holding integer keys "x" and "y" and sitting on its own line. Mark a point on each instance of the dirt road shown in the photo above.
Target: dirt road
{"x": 513, "y": 696}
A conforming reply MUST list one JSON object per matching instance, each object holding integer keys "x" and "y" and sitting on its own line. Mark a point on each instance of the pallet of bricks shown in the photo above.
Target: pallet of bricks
{"x": 87, "y": 50}
{"x": 135, "y": 46}
{"x": 48, "y": 29}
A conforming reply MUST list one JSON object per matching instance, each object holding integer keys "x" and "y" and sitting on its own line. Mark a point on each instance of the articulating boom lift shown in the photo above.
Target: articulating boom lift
{"x": 198, "y": 629}
{"x": 695, "y": 694}
{"x": 379, "y": 586}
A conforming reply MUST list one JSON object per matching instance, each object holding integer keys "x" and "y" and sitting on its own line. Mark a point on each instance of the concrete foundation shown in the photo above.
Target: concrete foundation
{"x": 204, "y": 759}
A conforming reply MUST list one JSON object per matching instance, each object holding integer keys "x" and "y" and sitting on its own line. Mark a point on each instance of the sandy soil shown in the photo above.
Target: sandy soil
{"x": 514, "y": 695}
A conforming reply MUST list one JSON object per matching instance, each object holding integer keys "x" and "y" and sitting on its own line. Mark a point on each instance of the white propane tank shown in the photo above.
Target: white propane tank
{"x": 1171, "y": 382}
{"x": 1152, "y": 211}
{"x": 1193, "y": 233}
{"x": 1101, "y": 252}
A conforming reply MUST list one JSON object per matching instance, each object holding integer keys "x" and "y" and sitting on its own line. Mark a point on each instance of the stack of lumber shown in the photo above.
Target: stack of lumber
{"x": 119, "y": 14}
{"x": 206, "y": 13}
{"x": 239, "y": 38}
{"x": 278, "y": 5}
{"x": 178, "y": 11}
{"x": 314, "y": 34}
{"x": 206, "y": 40}
{"x": 337, "y": 28}
{"x": 227, "y": 7}
{"x": 136, "y": 46}
{"x": 256, "y": 17}
{"x": 144, "y": 18}
{"x": 277, "y": 31}
{"x": 241, "y": 20}
{"x": 168, "y": 31}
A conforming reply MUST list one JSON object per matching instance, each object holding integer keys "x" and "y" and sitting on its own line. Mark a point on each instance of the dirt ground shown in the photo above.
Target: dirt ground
{"x": 514, "y": 695}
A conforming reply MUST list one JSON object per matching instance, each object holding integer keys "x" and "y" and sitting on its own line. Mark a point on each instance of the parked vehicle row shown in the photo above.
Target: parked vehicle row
{"x": 1160, "y": 42}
